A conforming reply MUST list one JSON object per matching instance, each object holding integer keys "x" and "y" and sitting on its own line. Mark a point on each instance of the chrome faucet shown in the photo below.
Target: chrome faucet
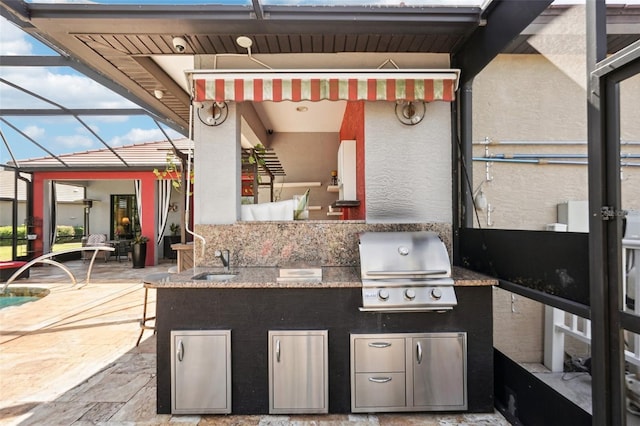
{"x": 224, "y": 257}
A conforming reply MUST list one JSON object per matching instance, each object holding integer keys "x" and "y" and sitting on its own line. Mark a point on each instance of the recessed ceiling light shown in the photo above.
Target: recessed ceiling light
{"x": 302, "y": 109}
{"x": 244, "y": 41}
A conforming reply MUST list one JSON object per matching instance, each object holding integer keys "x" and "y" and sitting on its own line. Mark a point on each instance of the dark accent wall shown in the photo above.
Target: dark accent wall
{"x": 250, "y": 313}
{"x": 556, "y": 263}
{"x": 525, "y": 400}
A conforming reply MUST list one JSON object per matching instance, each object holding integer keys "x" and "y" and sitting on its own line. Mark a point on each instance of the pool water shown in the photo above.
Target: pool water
{"x": 18, "y": 295}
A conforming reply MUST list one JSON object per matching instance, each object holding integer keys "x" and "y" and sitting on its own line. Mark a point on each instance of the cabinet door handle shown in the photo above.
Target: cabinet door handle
{"x": 180, "y": 351}
{"x": 278, "y": 350}
{"x": 379, "y": 344}
{"x": 379, "y": 379}
{"x": 419, "y": 352}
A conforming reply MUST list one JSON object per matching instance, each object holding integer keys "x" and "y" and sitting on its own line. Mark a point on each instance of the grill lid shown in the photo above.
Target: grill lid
{"x": 393, "y": 255}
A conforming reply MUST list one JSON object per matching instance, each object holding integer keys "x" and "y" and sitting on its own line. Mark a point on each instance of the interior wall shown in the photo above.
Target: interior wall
{"x": 306, "y": 157}
{"x": 257, "y": 129}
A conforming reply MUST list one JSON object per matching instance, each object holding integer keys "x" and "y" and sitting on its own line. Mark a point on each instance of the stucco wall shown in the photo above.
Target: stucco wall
{"x": 527, "y": 98}
{"x": 217, "y": 167}
{"x": 407, "y": 168}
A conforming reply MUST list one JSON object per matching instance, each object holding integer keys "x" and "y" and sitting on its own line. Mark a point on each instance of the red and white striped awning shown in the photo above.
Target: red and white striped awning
{"x": 335, "y": 85}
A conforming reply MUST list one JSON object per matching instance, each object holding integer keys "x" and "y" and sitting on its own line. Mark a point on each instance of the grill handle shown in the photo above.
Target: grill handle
{"x": 402, "y": 273}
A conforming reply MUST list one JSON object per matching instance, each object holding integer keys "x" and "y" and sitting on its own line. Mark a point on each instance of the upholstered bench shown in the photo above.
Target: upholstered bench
{"x": 8, "y": 268}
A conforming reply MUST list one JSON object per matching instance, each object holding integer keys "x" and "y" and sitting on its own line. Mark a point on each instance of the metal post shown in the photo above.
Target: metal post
{"x": 466, "y": 141}
{"x": 608, "y": 396}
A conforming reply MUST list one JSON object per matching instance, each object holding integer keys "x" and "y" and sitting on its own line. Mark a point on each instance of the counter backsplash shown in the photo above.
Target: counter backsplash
{"x": 324, "y": 243}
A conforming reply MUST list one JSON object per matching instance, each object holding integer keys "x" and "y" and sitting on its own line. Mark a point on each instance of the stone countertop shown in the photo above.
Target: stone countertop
{"x": 267, "y": 277}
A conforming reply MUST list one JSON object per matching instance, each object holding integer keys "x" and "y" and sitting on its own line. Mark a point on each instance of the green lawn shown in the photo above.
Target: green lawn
{"x": 5, "y": 251}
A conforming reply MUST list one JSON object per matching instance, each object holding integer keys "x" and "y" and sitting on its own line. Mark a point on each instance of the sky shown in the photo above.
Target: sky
{"x": 63, "y": 85}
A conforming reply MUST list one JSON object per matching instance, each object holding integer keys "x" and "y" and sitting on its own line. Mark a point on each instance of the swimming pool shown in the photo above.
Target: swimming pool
{"x": 18, "y": 295}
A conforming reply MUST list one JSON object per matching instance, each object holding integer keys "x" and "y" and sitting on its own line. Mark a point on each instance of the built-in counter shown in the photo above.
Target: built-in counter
{"x": 266, "y": 277}
{"x": 253, "y": 303}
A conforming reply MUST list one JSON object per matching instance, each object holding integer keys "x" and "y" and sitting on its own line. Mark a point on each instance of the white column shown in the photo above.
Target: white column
{"x": 216, "y": 192}
{"x": 553, "y": 339}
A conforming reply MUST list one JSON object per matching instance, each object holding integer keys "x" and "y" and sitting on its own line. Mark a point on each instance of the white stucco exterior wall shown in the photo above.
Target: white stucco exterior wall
{"x": 527, "y": 98}
{"x": 408, "y": 168}
{"x": 217, "y": 166}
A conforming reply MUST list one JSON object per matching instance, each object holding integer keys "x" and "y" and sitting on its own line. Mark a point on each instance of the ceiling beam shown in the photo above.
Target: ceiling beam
{"x": 505, "y": 21}
{"x": 169, "y": 85}
{"x": 257, "y": 9}
{"x": 249, "y": 19}
{"x": 34, "y": 61}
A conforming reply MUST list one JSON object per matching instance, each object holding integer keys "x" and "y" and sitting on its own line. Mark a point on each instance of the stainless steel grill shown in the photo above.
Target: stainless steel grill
{"x": 405, "y": 271}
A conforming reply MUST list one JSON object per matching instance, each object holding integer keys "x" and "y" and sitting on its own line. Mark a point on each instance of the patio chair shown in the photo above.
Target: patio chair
{"x": 123, "y": 248}
{"x": 94, "y": 240}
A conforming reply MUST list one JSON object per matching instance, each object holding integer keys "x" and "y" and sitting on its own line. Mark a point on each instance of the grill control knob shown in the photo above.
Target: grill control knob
{"x": 410, "y": 294}
{"x": 383, "y": 294}
{"x": 436, "y": 293}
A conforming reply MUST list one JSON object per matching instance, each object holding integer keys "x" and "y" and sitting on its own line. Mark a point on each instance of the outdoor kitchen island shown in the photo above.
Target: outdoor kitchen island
{"x": 254, "y": 303}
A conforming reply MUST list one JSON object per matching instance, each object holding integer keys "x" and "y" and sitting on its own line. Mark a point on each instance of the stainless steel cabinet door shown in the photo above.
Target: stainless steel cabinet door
{"x": 201, "y": 372}
{"x": 298, "y": 372}
{"x": 379, "y": 354}
{"x": 439, "y": 371}
{"x": 379, "y": 391}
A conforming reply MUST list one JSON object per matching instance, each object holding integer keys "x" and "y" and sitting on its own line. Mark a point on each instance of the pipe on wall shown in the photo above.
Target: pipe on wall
{"x": 489, "y": 141}
{"x": 544, "y": 162}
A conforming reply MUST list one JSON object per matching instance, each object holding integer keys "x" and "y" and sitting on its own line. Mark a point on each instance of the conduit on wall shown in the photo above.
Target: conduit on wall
{"x": 543, "y": 161}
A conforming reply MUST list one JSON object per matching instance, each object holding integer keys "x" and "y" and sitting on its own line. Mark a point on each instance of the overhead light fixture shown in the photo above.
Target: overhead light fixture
{"x": 244, "y": 41}
{"x": 410, "y": 112}
{"x": 158, "y": 93}
{"x": 213, "y": 114}
{"x": 302, "y": 109}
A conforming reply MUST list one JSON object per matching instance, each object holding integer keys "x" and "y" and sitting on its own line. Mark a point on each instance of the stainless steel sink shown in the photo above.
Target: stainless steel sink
{"x": 214, "y": 276}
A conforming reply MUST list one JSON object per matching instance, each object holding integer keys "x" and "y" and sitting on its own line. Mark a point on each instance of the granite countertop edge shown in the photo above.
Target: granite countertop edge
{"x": 266, "y": 277}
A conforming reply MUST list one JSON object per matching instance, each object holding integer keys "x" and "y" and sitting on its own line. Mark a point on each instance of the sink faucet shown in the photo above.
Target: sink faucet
{"x": 224, "y": 257}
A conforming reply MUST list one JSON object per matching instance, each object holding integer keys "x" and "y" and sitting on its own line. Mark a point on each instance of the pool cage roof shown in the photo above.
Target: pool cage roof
{"x": 138, "y": 59}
